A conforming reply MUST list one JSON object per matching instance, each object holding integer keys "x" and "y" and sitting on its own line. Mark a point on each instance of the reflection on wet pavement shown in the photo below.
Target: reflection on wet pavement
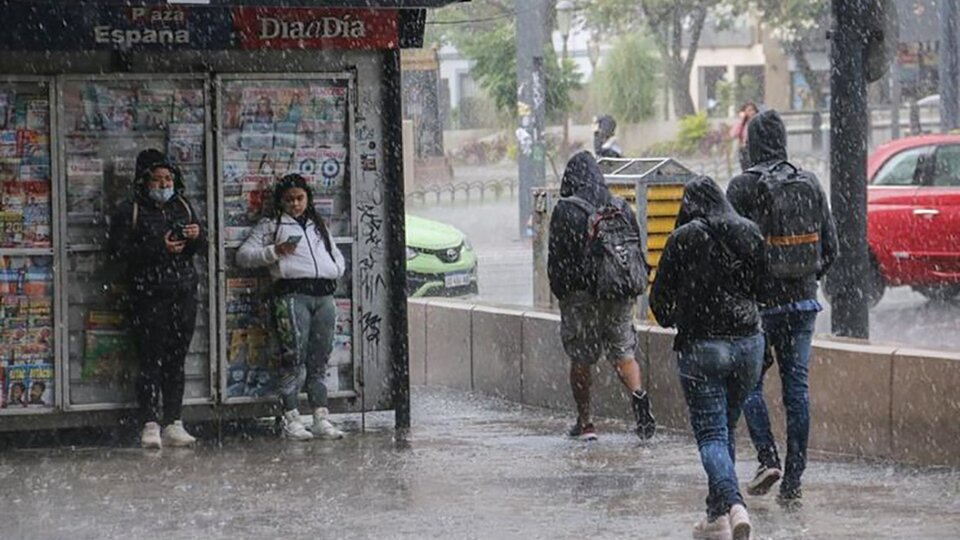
{"x": 475, "y": 468}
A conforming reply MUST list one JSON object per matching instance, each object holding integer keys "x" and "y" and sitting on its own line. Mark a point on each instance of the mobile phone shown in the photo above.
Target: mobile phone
{"x": 176, "y": 232}
{"x": 293, "y": 239}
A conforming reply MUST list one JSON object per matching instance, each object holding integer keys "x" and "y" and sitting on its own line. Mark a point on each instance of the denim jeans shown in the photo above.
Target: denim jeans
{"x": 305, "y": 328}
{"x": 716, "y": 376}
{"x": 789, "y": 336}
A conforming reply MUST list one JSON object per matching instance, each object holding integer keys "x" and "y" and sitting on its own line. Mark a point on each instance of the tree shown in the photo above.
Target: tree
{"x": 484, "y": 31}
{"x": 627, "y": 80}
{"x": 795, "y": 23}
{"x": 676, "y": 26}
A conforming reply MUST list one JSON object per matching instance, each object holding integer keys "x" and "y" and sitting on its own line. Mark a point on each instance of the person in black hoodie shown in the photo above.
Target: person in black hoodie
{"x": 156, "y": 235}
{"x": 706, "y": 286}
{"x": 591, "y": 327}
{"x": 789, "y": 315}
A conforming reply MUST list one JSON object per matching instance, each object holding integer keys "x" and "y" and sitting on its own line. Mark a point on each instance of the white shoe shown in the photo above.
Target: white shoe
{"x": 322, "y": 427}
{"x": 150, "y": 436}
{"x": 718, "y": 529}
{"x": 740, "y": 522}
{"x": 176, "y": 436}
{"x": 293, "y": 428}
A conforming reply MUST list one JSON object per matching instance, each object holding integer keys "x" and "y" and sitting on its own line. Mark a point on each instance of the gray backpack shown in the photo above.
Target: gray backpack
{"x": 789, "y": 204}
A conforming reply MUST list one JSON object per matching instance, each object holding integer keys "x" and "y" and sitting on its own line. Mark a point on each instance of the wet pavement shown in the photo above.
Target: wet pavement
{"x": 474, "y": 468}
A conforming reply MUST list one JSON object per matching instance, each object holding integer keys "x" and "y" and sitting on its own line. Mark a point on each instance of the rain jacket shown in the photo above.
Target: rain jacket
{"x": 310, "y": 259}
{"x": 568, "y": 225}
{"x": 604, "y": 143}
{"x": 139, "y": 246}
{"x": 709, "y": 275}
{"x": 767, "y": 144}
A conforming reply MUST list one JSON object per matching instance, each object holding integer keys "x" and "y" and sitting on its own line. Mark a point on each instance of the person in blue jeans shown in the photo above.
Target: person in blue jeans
{"x": 789, "y": 313}
{"x": 706, "y": 286}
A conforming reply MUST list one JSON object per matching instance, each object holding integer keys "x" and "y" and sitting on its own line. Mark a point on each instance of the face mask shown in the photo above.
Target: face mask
{"x": 161, "y": 195}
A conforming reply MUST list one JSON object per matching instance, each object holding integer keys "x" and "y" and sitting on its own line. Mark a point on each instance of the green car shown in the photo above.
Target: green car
{"x": 440, "y": 260}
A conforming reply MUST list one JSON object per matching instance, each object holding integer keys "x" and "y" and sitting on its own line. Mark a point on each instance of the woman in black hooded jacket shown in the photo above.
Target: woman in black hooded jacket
{"x": 155, "y": 236}
{"x": 706, "y": 286}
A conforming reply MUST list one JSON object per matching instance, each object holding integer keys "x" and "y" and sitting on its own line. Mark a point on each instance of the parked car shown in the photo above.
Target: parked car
{"x": 914, "y": 216}
{"x": 440, "y": 260}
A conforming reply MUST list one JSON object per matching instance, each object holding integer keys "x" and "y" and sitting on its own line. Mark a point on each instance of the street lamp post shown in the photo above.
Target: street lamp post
{"x": 564, "y": 22}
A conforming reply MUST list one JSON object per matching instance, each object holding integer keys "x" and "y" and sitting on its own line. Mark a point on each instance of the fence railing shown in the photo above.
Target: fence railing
{"x": 476, "y": 191}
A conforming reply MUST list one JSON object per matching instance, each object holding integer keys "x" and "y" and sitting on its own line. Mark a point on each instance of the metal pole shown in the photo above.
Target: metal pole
{"x": 895, "y": 97}
{"x": 949, "y": 66}
{"x": 395, "y": 244}
{"x": 848, "y": 167}
{"x": 566, "y": 116}
{"x": 531, "y": 105}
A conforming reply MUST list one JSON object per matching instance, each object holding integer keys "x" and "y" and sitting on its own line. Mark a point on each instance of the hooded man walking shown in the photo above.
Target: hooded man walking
{"x": 791, "y": 209}
{"x": 707, "y": 284}
{"x": 594, "y": 324}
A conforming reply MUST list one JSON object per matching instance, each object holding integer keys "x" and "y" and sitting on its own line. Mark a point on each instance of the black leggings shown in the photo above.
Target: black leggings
{"x": 163, "y": 323}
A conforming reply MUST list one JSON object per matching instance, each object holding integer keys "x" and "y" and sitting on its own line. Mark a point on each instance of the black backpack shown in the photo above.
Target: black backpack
{"x": 789, "y": 214}
{"x": 613, "y": 255}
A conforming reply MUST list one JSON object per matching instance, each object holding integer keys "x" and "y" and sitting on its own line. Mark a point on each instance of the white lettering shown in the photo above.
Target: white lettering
{"x": 101, "y": 34}
{"x": 322, "y": 28}
{"x": 269, "y": 28}
{"x": 138, "y": 13}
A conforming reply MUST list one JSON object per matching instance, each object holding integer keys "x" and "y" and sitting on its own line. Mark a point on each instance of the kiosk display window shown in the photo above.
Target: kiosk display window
{"x": 105, "y": 123}
{"x": 270, "y": 128}
{"x": 27, "y": 344}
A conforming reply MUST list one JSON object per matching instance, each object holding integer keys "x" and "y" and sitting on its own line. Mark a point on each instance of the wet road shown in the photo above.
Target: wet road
{"x": 902, "y": 317}
{"x": 475, "y": 468}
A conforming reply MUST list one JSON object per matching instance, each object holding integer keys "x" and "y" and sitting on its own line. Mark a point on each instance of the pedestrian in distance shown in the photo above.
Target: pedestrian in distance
{"x": 706, "y": 287}
{"x": 604, "y": 137}
{"x": 740, "y": 131}
{"x": 305, "y": 264}
{"x": 791, "y": 210}
{"x": 155, "y": 237}
{"x": 597, "y": 269}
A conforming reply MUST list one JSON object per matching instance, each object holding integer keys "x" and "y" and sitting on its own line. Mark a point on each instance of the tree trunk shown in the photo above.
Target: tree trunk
{"x": 683, "y": 66}
{"x": 803, "y": 64}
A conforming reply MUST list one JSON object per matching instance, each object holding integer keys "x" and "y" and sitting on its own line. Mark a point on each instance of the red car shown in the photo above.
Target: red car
{"x": 914, "y": 216}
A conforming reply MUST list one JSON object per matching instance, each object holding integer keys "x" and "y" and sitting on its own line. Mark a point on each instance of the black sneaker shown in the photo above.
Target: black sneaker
{"x": 765, "y": 478}
{"x": 790, "y": 499}
{"x": 646, "y": 423}
{"x": 583, "y": 433}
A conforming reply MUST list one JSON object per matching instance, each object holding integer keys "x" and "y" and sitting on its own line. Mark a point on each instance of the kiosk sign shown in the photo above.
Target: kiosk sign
{"x": 289, "y": 28}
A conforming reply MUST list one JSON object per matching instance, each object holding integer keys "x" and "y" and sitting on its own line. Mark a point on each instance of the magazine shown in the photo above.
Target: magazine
{"x": 154, "y": 108}
{"x": 84, "y": 185}
{"x": 188, "y": 105}
{"x": 185, "y": 143}
{"x": 17, "y": 380}
{"x": 106, "y": 354}
{"x": 40, "y": 393}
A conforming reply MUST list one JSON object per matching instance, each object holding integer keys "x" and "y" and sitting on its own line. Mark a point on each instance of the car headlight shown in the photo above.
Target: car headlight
{"x": 411, "y": 253}
{"x": 467, "y": 245}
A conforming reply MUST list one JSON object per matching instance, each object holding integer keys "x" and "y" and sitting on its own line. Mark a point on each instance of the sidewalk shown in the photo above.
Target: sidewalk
{"x": 475, "y": 468}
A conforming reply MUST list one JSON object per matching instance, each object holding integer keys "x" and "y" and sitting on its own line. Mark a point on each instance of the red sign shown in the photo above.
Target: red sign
{"x": 291, "y": 28}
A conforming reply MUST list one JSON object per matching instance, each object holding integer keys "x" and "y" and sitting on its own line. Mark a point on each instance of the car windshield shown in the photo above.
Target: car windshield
{"x": 901, "y": 168}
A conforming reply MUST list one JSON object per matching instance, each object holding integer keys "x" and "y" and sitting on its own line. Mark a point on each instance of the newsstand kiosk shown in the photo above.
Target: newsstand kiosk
{"x": 237, "y": 94}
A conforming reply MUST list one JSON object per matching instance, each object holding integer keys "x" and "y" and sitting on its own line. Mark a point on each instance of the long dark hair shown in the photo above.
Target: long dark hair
{"x": 291, "y": 181}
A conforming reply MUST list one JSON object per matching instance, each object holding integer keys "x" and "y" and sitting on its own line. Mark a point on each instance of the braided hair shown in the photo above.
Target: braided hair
{"x": 291, "y": 181}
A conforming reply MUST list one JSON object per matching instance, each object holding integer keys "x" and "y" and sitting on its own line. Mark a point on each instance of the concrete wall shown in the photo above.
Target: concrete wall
{"x": 866, "y": 400}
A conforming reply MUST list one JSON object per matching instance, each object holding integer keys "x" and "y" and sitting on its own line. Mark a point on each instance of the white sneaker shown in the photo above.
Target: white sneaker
{"x": 740, "y": 522}
{"x": 150, "y": 436}
{"x": 322, "y": 427}
{"x": 176, "y": 436}
{"x": 718, "y": 529}
{"x": 293, "y": 428}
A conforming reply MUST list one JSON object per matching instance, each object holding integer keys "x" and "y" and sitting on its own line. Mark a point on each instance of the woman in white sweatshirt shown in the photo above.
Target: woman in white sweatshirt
{"x": 305, "y": 264}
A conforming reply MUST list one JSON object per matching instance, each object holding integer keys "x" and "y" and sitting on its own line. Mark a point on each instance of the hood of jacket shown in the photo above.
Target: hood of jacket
{"x": 703, "y": 198}
{"x": 584, "y": 179}
{"x": 147, "y": 161}
{"x": 766, "y": 138}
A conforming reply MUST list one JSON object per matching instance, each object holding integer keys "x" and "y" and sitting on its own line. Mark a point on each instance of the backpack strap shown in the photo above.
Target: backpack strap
{"x": 135, "y": 216}
{"x": 581, "y": 203}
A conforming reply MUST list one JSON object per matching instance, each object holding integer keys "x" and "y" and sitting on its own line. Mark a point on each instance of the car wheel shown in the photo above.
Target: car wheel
{"x": 873, "y": 286}
{"x": 939, "y": 292}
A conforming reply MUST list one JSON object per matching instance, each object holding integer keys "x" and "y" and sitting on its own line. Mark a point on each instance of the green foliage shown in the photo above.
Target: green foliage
{"x": 693, "y": 129}
{"x": 488, "y": 38}
{"x": 628, "y": 80}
